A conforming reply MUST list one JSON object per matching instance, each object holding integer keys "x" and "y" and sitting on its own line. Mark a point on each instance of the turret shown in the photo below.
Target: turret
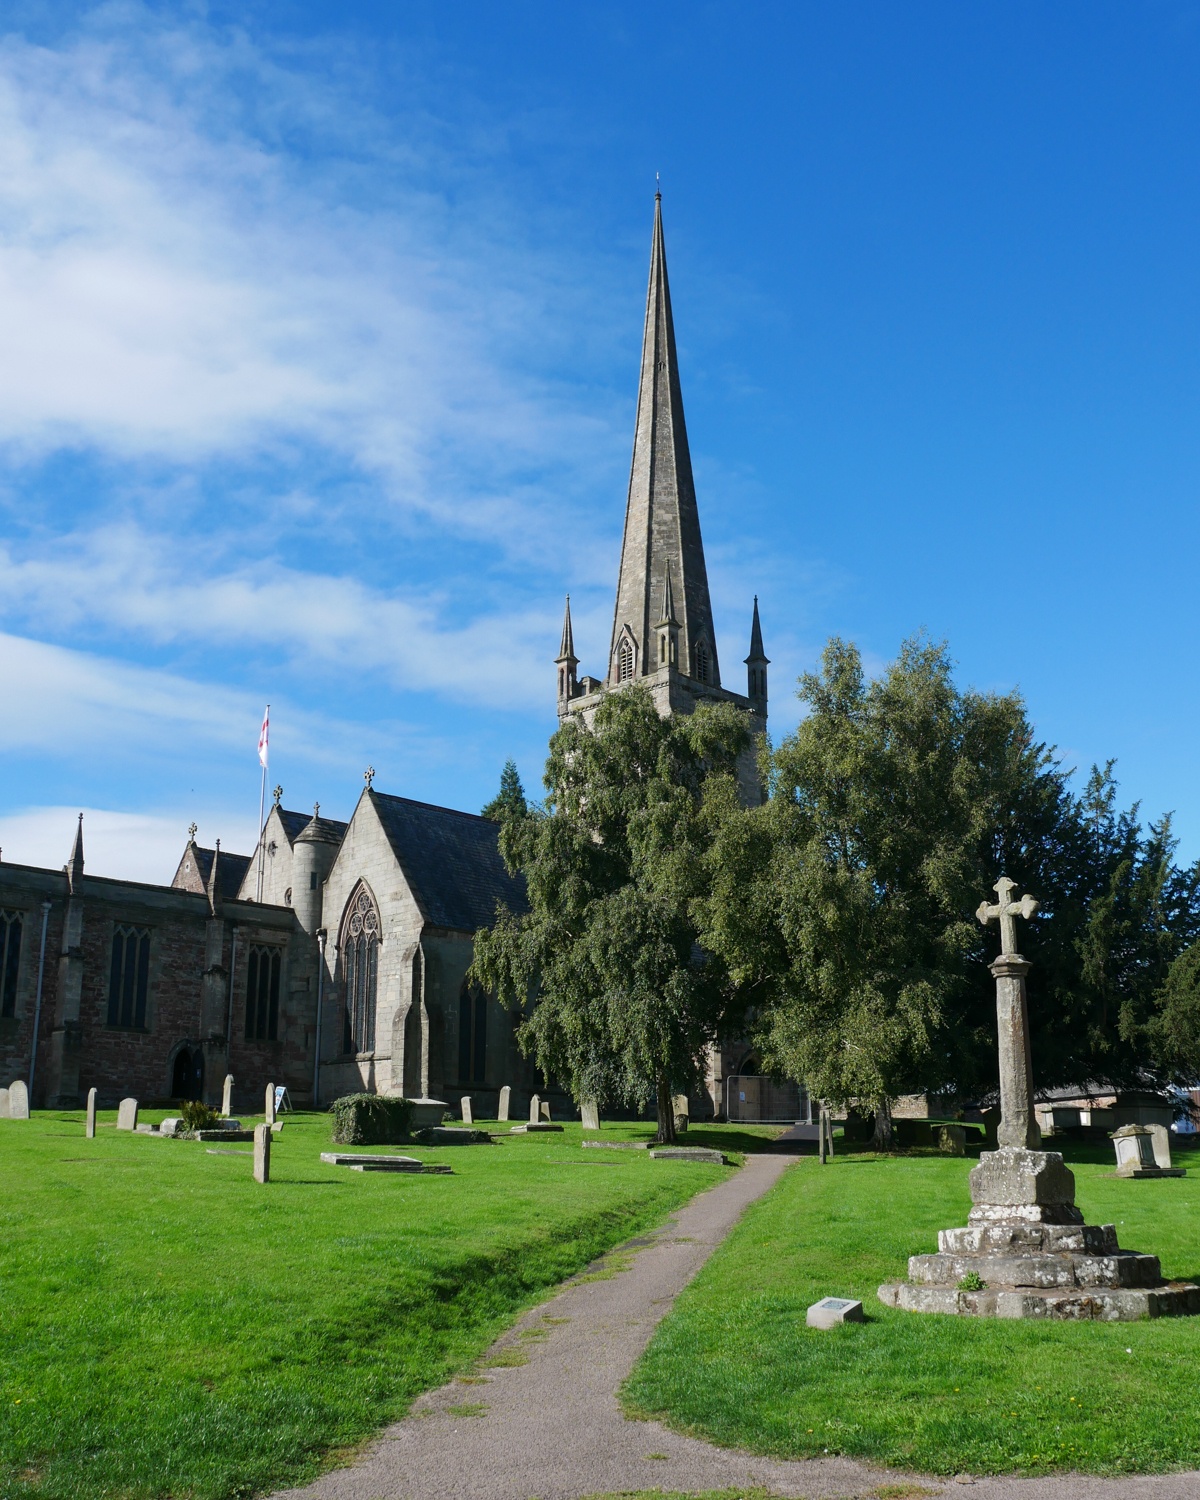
{"x": 756, "y": 665}
{"x": 566, "y": 661}
{"x": 667, "y": 629}
{"x": 313, "y": 855}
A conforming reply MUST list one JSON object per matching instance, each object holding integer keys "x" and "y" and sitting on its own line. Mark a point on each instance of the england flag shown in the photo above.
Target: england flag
{"x": 263, "y": 736}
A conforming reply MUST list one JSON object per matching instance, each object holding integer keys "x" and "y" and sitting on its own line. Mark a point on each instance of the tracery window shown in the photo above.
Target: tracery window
{"x": 360, "y": 972}
{"x": 10, "y": 960}
{"x": 472, "y": 1033}
{"x": 262, "y": 994}
{"x": 129, "y": 979}
{"x": 625, "y": 660}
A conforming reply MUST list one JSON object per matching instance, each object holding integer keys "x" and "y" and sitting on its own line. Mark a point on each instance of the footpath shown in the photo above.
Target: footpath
{"x": 547, "y": 1426}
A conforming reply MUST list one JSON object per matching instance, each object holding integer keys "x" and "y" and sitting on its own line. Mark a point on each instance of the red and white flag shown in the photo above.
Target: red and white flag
{"x": 263, "y": 736}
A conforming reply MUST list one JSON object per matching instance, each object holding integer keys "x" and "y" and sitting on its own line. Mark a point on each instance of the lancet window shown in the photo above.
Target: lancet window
{"x": 129, "y": 979}
{"x": 702, "y": 661}
{"x": 625, "y": 660}
{"x": 472, "y": 1033}
{"x": 262, "y": 994}
{"x": 10, "y": 960}
{"x": 360, "y": 972}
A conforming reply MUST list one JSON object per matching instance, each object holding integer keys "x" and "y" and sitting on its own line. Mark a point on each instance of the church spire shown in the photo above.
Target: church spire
{"x": 662, "y": 523}
{"x": 566, "y": 661}
{"x": 756, "y": 664}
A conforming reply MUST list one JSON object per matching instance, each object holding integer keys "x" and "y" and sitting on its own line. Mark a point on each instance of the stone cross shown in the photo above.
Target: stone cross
{"x": 193, "y": 830}
{"x": 1018, "y": 1128}
{"x": 1007, "y": 910}
{"x": 369, "y": 775}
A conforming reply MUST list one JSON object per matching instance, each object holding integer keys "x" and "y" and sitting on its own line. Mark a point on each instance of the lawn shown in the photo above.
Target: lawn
{"x": 734, "y": 1361}
{"x": 172, "y": 1328}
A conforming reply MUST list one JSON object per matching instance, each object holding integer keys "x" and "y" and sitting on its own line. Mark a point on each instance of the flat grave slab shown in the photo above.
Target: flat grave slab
{"x": 532, "y": 1129}
{"x": 830, "y": 1312}
{"x": 617, "y": 1145}
{"x": 688, "y": 1153}
{"x": 364, "y": 1162}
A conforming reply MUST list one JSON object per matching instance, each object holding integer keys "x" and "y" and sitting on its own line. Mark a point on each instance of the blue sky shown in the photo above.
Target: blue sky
{"x": 319, "y": 355}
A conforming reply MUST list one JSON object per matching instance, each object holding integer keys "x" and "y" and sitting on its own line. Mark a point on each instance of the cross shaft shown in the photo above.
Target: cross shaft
{"x": 1007, "y": 910}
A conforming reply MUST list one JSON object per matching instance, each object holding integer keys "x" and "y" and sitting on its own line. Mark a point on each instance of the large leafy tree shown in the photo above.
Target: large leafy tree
{"x": 619, "y": 997}
{"x": 845, "y": 905}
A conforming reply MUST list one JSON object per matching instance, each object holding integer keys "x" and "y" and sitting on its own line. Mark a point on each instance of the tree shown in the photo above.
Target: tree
{"x": 624, "y": 1000}
{"x": 509, "y": 801}
{"x": 845, "y": 905}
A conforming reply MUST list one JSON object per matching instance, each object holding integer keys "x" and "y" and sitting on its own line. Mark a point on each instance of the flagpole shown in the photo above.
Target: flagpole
{"x": 262, "y": 802}
{"x": 263, "y": 757}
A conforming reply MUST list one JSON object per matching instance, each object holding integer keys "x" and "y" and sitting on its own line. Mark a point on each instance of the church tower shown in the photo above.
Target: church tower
{"x": 663, "y": 632}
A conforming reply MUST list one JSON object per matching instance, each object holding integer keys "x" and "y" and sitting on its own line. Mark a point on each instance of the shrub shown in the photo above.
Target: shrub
{"x": 198, "y": 1116}
{"x": 370, "y": 1120}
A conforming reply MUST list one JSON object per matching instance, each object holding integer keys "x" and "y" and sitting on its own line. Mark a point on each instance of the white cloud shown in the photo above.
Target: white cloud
{"x": 123, "y": 845}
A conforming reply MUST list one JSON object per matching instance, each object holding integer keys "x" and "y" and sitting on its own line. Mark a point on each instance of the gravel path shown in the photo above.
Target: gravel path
{"x": 548, "y": 1427}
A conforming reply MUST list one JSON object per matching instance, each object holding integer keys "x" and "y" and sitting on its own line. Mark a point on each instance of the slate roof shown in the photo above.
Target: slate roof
{"x": 231, "y": 871}
{"x": 451, "y": 861}
{"x": 295, "y": 823}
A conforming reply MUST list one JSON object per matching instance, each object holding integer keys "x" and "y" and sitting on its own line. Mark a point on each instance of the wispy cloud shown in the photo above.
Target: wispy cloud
{"x": 125, "y": 846}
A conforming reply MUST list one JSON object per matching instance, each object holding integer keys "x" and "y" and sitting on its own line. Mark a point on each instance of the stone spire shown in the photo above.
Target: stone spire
{"x": 756, "y": 664}
{"x": 566, "y": 661}
{"x": 662, "y": 525}
{"x": 74, "y": 866}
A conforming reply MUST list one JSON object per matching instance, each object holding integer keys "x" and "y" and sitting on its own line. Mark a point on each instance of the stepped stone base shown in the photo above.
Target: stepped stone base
{"x": 1027, "y": 1244}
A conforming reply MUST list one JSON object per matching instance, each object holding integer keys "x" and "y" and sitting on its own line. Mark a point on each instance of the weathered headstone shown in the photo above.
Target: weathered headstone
{"x": 89, "y": 1129}
{"x": 3, "y": 1104}
{"x": 127, "y": 1113}
{"x": 227, "y": 1095}
{"x": 18, "y": 1101}
{"x": 545, "y": 1111}
{"x": 1140, "y": 1153}
{"x": 535, "y": 1110}
{"x": 505, "y": 1096}
{"x": 951, "y": 1140}
{"x": 589, "y": 1111}
{"x": 269, "y": 1105}
{"x": 831, "y": 1312}
{"x": 262, "y": 1153}
{"x": 1161, "y": 1137}
{"x": 679, "y": 1106}
{"x": 1025, "y": 1251}
{"x": 468, "y": 1114}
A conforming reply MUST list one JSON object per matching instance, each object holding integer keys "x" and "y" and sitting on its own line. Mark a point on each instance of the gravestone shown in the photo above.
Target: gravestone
{"x": 545, "y": 1111}
{"x": 1140, "y": 1154}
{"x": 1025, "y": 1251}
{"x": 467, "y": 1113}
{"x": 831, "y": 1312}
{"x": 3, "y": 1104}
{"x": 269, "y": 1105}
{"x": 535, "y": 1110}
{"x": 89, "y": 1129}
{"x": 1161, "y": 1137}
{"x": 127, "y": 1113}
{"x": 679, "y": 1107}
{"x": 951, "y": 1140}
{"x": 227, "y": 1095}
{"x": 505, "y": 1096}
{"x": 262, "y": 1153}
{"x": 18, "y": 1101}
{"x": 589, "y": 1111}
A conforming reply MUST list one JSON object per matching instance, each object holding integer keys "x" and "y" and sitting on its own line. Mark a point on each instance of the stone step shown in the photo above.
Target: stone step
{"x": 1106, "y": 1305}
{"x": 1124, "y": 1269}
{"x": 1010, "y": 1238}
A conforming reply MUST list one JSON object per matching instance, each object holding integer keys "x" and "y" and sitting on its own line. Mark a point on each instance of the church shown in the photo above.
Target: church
{"x": 335, "y": 958}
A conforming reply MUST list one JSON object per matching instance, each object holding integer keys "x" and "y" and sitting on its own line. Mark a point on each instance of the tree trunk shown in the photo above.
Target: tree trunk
{"x": 666, "y": 1112}
{"x": 882, "y": 1139}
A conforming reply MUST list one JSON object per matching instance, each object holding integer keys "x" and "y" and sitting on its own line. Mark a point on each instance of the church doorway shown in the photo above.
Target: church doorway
{"x": 187, "y": 1076}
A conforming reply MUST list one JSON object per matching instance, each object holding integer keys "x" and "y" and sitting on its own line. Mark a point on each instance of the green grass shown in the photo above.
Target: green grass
{"x": 735, "y": 1363}
{"x": 172, "y": 1328}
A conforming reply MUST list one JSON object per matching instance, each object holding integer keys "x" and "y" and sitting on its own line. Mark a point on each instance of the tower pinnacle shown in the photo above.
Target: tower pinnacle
{"x": 566, "y": 661}
{"x": 662, "y": 524}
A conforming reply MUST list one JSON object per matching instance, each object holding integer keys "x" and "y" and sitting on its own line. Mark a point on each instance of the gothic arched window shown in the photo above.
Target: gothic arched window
{"x": 360, "y": 972}
{"x": 625, "y": 660}
{"x": 701, "y": 661}
{"x": 472, "y": 1033}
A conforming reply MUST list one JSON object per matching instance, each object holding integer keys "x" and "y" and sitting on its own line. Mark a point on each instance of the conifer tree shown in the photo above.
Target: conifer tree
{"x": 509, "y": 801}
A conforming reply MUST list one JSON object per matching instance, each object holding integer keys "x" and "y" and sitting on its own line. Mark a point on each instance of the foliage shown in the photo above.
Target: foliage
{"x": 846, "y": 904}
{"x": 1176, "y": 1026}
{"x": 921, "y": 1392}
{"x": 370, "y": 1119}
{"x": 146, "y": 1353}
{"x": 972, "y": 1282}
{"x": 509, "y": 801}
{"x": 625, "y": 999}
{"x": 198, "y": 1116}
